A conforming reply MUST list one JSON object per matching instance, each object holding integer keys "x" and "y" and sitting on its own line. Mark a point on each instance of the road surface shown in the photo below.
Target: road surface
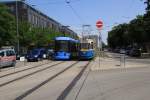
{"x": 77, "y": 82}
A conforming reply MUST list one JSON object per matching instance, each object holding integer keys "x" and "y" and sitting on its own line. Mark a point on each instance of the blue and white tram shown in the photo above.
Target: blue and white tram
{"x": 66, "y": 48}
{"x": 87, "y": 51}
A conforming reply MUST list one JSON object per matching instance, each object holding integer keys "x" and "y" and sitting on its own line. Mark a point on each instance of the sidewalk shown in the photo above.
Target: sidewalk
{"x": 106, "y": 63}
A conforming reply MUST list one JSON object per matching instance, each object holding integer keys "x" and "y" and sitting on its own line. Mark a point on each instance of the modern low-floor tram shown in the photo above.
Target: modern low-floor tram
{"x": 66, "y": 48}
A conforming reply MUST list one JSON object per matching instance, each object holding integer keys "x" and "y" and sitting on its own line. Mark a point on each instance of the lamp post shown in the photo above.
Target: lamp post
{"x": 17, "y": 29}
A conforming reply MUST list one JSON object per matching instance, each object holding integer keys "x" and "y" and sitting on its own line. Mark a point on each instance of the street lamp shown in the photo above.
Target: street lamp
{"x": 17, "y": 29}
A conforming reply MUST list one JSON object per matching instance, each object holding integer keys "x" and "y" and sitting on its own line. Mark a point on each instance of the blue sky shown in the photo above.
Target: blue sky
{"x": 111, "y": 12}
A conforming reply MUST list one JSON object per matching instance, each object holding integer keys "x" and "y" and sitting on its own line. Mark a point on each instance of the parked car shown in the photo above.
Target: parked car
{"x": 50, "y": 53}
{"x": 127, "y": 50}
{"x": 135, "y": 52}
{"x": 117, "y": 50}
{"x": 7, "y": 57}
{"x": 36, "y": 54}
{"x": 122, "y": 51}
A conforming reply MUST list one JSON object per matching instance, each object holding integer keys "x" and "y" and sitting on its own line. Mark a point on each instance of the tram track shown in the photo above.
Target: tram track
{"x": 27, "y": 75}
{"x": 8, "y": 68}
{"x": 67, "y": 90}
{"x": 28, "y": 92}
{"x": 24, "y": 70}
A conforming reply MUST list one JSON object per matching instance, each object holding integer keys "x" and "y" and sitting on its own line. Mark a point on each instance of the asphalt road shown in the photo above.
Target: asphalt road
{"x": 129, "y": 84}
{"x": 72, "y": 84}
{"x": 46, "y": 82}
{"x": 117, "y": 84}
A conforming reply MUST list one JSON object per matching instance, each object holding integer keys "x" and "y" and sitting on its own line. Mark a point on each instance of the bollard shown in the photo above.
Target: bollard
{"x": 122, "y": 60}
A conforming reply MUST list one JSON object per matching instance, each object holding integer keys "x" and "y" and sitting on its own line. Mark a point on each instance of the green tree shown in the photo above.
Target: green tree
{"x": 118, "y": 36}
{"x": 28, "y": 35}
{"x": 137, "y": 30}
{"x": 7, "y": 27}
{"x": 147, "y": 26}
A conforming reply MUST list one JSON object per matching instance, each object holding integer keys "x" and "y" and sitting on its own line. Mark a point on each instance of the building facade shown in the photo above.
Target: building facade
{"x": 36, "y": 18}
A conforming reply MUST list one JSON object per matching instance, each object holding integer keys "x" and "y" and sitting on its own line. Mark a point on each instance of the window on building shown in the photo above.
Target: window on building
{"x": 30, "y": 17}
{"x": 53, "y": 26}
{"x": 24, "y": 6}
{"x": 36, "y": 20}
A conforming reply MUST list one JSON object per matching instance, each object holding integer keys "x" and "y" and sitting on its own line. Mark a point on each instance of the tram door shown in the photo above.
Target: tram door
{"x": 74, "y": 49}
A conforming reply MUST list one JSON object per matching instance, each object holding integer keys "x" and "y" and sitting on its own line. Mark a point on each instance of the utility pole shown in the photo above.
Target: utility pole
{"x": 17, "y": 26}
{"x": 17, "y": 29}
{"x": 86, "y": 32}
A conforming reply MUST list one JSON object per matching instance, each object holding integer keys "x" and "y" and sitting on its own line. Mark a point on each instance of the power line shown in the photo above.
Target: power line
{"x": 56, "y": 2}
{"x": 74, "y": 11}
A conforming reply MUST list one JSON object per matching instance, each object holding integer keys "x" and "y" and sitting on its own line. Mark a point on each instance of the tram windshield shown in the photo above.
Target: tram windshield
{"x": 62, "y": 45}
{"x": 85, "y": 46}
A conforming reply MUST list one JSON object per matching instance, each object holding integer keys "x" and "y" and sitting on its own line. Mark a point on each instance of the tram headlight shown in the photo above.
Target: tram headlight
{"x": 36, "y": 56}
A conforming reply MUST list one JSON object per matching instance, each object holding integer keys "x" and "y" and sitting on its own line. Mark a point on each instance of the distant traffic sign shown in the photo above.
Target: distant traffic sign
{"x": 99, "y": 24}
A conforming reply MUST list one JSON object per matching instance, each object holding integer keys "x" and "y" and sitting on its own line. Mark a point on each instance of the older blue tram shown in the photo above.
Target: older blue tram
{"x": 87, "y": 51}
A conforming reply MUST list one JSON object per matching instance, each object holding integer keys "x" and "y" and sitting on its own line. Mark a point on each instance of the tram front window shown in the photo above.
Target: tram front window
{"x": 84, "y": 45}
{"x": 62, "y": 46}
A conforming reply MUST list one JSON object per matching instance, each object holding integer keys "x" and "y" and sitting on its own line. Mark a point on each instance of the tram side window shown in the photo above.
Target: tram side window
{"x": 78, "y": 46}
{"x": 72, "y": 47}
{"x": 89, "y": 46}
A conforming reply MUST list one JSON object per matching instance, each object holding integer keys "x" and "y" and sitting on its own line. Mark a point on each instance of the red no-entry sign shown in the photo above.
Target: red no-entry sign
{"x": 99, "y": 24}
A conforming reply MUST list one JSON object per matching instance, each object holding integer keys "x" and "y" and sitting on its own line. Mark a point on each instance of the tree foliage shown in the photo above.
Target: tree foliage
{"x": 7, "y": 27}
{"x": 135, "y": 32}
{"x": 28, "y": 35}
{"x": 35, "y": 36}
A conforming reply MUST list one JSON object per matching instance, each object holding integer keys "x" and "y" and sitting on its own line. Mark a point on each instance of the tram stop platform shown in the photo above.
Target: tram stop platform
{"x": 107, "y": 63}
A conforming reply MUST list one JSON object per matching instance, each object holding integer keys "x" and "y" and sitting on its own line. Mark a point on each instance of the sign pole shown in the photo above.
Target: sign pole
{"x": 99, "y": 25}
{"x": 100, "y": 46}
